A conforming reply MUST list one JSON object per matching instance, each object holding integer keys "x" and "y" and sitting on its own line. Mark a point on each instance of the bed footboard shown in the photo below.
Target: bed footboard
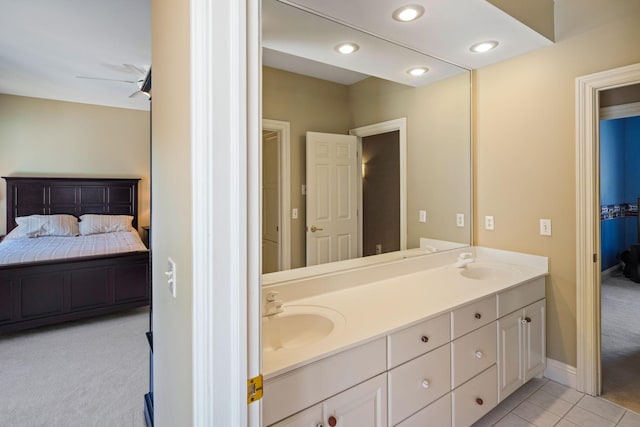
{"x": 46, "y": 293}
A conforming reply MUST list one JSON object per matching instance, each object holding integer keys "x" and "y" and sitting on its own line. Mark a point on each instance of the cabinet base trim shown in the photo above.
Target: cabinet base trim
{"x": 561, "y": 373}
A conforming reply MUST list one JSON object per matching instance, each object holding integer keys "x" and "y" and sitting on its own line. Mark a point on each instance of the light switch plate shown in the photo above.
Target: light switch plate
{"x": 545, "y": 227}
{"x": 294, "y": 213}
{"x": 423, "y": 216}
{"x": 171, "y": 276}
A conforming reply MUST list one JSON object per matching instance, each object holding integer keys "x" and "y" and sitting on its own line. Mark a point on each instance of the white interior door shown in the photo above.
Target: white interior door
{"x": 332, "y": 177}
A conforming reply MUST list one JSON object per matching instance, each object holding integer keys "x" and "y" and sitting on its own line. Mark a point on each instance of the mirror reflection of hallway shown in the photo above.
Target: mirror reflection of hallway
{"x": 380, "y": 193}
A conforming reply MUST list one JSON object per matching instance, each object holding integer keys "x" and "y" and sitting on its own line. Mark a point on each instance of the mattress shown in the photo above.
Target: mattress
{"x": 16, "y": 249}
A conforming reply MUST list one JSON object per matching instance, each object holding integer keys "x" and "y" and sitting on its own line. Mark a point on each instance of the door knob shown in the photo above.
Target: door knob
{"x": 314, "y": 229}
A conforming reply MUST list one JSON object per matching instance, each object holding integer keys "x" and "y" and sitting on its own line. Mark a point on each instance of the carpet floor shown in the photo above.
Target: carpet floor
{"x": 620, "y": 318}
{"x": 87, "y": 373}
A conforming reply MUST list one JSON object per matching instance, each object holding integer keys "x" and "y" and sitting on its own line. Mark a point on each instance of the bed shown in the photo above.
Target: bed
{"x": 36, "y": 292}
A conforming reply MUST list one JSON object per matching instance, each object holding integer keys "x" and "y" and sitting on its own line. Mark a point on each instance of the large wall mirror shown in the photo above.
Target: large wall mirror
{"x": 361, "y": 159}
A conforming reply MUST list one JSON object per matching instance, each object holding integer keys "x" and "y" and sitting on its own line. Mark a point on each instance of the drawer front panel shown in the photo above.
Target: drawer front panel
{"x": 473, "y": 353}
{"x": 475, "y": 398}
{"x": 418, "y": 339}
{"x": 301, "y": 388}
{"x": 473, "y": 316}
{"x": 520, "y": 296}
{"x": 436, "y": 414}
{"x": 311, "y": 417}
{"x": 417, "y": 383}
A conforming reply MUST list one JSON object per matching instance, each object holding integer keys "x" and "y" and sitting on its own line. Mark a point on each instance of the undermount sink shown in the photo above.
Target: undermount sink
{"x": 299, "y": 325}
{"x": 487, "y": 271}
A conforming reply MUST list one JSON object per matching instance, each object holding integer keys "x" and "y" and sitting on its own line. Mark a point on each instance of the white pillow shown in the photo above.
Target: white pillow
{"x": 48, "y": 225}
{"x": 95, "y": 224}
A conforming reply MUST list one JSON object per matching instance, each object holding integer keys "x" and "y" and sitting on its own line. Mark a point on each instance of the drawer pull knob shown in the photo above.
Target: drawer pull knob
{"x": 319, "y": 425}
{"x": 424, "y": 338}
{"x": 527, "y": 319}
{"x": 478, "y": 316}
{"x": 479, "y": 354}
{"x": 332, "y": 421}
{"x": 425, "y": 384}
{"x": 479, "y": 401}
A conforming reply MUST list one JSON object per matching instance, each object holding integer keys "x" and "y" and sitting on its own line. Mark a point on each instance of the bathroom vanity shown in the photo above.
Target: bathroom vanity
{"x": 437, "y": 340}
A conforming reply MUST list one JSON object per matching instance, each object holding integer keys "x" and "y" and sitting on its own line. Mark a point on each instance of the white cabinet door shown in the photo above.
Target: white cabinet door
{"x": 535, "y": 346}
{"x": 510, "y": 354}
{"x": 362, "y": 406}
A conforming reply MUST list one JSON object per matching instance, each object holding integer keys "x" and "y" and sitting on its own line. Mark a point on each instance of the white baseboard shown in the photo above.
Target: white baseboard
{"x": 561, "y": 373}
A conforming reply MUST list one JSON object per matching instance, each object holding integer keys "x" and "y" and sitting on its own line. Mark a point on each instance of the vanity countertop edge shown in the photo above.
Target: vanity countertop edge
{"x": 377, "y": 308}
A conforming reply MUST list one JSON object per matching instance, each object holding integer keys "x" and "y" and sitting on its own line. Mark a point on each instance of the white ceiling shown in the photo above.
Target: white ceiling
{"x": 446, "y": 31}
{"x": 46, "y": 44}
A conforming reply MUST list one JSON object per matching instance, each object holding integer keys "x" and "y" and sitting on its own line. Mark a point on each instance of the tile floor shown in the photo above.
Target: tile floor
{"x": 542, "y": 402}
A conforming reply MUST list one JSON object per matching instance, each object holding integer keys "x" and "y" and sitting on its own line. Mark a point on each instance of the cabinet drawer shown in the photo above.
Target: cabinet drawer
{"x": 417, "y": 383}
{"x": 303, "y": 387}
{"x": 418, "y": 339}
{"x": 311, "y": 417}
{"x": 473, "y": 353}
{"x": 472, "y": 316}
{"x": 475, "y": 398}
{"x": 520, "y": 296}
{"x": 436, "y": 414}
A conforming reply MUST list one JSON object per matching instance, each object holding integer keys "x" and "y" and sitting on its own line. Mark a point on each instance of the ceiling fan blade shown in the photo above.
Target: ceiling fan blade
{"x": 136, "y": 70}
{"x": 140, "y": 92}
{"x": 111, "y": 80}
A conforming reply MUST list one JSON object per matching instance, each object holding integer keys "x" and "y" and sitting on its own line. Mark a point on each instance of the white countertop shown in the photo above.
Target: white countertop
{"x": 375, "y": 308}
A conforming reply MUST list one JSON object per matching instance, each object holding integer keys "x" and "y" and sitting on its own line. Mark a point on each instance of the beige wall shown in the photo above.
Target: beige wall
{"x": 525, "y": 146}
{"x": 309, "y": 104}
{"x": 41, "y": 137}
{"x": 438, "y": 132}
{"x": 438, "y": 149}
{"x": 171, "y": 218}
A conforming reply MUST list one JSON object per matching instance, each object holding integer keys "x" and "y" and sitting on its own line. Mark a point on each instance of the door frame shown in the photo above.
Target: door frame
{"x": 225, "y": 114}
{"x": 588, "y": 88}
{"x": 284, "y": 165}
{"x": 399, "y": 125}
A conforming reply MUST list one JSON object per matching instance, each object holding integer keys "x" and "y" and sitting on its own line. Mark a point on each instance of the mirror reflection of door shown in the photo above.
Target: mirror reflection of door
{"x": 332, "y": 179}
{"x": 270, "y": 202}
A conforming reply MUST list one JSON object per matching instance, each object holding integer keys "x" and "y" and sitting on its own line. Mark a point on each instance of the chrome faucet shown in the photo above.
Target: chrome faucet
{"x": 464, "y": 259}
{"x": 272, "y": 305}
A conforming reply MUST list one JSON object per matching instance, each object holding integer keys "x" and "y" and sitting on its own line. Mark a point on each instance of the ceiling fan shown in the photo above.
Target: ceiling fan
{"x": 143, "y": 81}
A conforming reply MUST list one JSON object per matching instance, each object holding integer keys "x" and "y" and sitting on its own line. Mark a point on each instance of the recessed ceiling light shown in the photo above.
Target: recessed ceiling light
{"x": 347, "y": 48}
{"x": 408, "y": 13}
{"x": 417, "y": 71}
{"x": 483, "y": 46}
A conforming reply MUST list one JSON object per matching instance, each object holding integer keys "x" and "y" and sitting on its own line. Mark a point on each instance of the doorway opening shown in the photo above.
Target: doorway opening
{"x": 394, "y": 133}
{"x": 588, "y": 214}
{"x": 276, "y": 197}
{"x": 619, "y": 159}
{"x": 380, "y": 187}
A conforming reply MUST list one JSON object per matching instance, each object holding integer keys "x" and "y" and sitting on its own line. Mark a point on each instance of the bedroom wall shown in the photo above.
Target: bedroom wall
{"x": 525, "y": 146}
{"x": 55, "y": 138}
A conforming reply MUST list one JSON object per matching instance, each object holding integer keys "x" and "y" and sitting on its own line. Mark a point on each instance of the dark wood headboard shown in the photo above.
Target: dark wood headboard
{"x": 74, "y": 196}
